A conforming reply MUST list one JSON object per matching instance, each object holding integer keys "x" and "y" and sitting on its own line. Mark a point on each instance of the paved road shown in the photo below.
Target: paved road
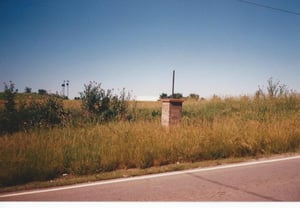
{"x": 263, "y": 180}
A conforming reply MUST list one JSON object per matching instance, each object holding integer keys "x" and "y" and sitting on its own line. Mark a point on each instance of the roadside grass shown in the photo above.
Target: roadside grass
{"x": 70, "y": 179}
{"x": 211, "y": 131}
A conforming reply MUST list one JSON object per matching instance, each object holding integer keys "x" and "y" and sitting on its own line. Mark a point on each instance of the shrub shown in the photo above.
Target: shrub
{"x": 103, "y": 105}
{"x": 194, "y": 96}
{"x": 42, "y": 92}
{"x": 45, "y": 112}
{"x": 8, "y": 116}
{"x": 163, "y": 95}
{"x": 176, "y": 96}
{"x": 28, "y": 90}
{"x": 9, "y": 97}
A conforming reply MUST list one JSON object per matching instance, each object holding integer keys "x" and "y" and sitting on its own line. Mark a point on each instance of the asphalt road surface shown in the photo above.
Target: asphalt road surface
{"x": 262, "y": 180}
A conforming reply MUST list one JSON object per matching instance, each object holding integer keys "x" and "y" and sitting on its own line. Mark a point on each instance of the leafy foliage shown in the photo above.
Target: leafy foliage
{"x": 194, "y": 96}
{"x": 8, "y": 116}
{"x": 9, "y": 97}
{"x": 103, "y": 105}
{"x": 45, "y": 112}
{"x": 163, "y": 95}
{"x": 28, "y": 90}
{"x": 176, "y": 95}
{"x": 42, "y": 92}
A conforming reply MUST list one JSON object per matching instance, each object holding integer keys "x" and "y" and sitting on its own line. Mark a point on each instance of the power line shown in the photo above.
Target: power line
{"x": 269, "y": 7}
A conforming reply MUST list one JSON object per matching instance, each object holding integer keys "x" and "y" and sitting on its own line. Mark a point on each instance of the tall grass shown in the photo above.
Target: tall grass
{"x": 210, "y": 129}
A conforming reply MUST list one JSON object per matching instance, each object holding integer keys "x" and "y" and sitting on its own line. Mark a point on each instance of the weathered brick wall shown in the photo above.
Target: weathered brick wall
{"x": 165, "y": 114}
{"x": 171, "y": 111}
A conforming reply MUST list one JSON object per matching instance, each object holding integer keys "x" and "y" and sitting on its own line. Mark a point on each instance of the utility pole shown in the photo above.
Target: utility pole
{"x": 173, "y": 83}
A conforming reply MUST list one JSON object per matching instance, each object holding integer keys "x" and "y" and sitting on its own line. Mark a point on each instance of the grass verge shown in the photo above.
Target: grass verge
{"x": 125, "y": 173}
{"x": 210, "y": 131}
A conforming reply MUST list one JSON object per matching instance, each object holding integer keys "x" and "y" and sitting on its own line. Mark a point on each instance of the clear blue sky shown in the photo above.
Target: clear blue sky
{"x": 223, "y": 47}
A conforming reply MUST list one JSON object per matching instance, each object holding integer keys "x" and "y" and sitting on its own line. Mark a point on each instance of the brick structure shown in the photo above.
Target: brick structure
{"x": 171, "y": 111}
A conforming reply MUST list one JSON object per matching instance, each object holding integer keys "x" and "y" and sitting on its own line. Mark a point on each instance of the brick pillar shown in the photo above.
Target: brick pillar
{"x": 171, "y": 111}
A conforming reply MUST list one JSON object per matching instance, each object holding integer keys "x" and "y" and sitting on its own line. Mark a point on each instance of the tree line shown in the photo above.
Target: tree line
{"x": 192, "y": 96}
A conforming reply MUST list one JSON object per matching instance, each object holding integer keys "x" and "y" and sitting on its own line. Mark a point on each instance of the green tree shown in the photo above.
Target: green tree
{"x": 42, "y": 92}
{"x": 9, "y": 96}
{"x": 27, "y": 90}
{"x": 163, "y": 95}
{"x": 194, "y": 96}
{"x": 9, "y": 121}
{"x": 177, "y": 96}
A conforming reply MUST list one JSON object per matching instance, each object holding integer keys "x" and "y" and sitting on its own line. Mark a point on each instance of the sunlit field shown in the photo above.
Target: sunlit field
{"x": 210, "y": 129}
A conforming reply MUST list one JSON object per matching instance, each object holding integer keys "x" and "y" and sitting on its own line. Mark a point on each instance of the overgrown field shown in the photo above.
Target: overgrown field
{"x": 210, "y": 129}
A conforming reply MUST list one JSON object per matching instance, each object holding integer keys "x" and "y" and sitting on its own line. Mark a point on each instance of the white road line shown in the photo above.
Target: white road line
{"x": 150, "y": 176}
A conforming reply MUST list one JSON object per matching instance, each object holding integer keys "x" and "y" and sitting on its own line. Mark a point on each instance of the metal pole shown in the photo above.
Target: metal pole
{"x": 173, "y": 83}
{"x": 63, "y": 88}
{"x": 68, "y": 88}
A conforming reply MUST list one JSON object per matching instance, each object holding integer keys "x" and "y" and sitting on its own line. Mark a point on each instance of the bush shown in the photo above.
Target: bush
{"x": 103, "y": 105}
{"x": 9, "y": 97}
{"x": 8, "y": 116}
{"x": 176, "y": 96}
{"x": 42, "y": 92}
{"x": 45, "y": 112}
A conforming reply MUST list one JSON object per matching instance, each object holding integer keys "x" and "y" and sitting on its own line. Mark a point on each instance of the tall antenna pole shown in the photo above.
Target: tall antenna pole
{"x": 68, "y": 88}
{"x": 173, "y": 83}
{"x": 63, "y": 88}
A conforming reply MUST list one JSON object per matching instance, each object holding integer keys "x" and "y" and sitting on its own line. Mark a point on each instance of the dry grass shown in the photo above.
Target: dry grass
{"x": 72, "y": 104}
{"x": 233, "y": 127}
